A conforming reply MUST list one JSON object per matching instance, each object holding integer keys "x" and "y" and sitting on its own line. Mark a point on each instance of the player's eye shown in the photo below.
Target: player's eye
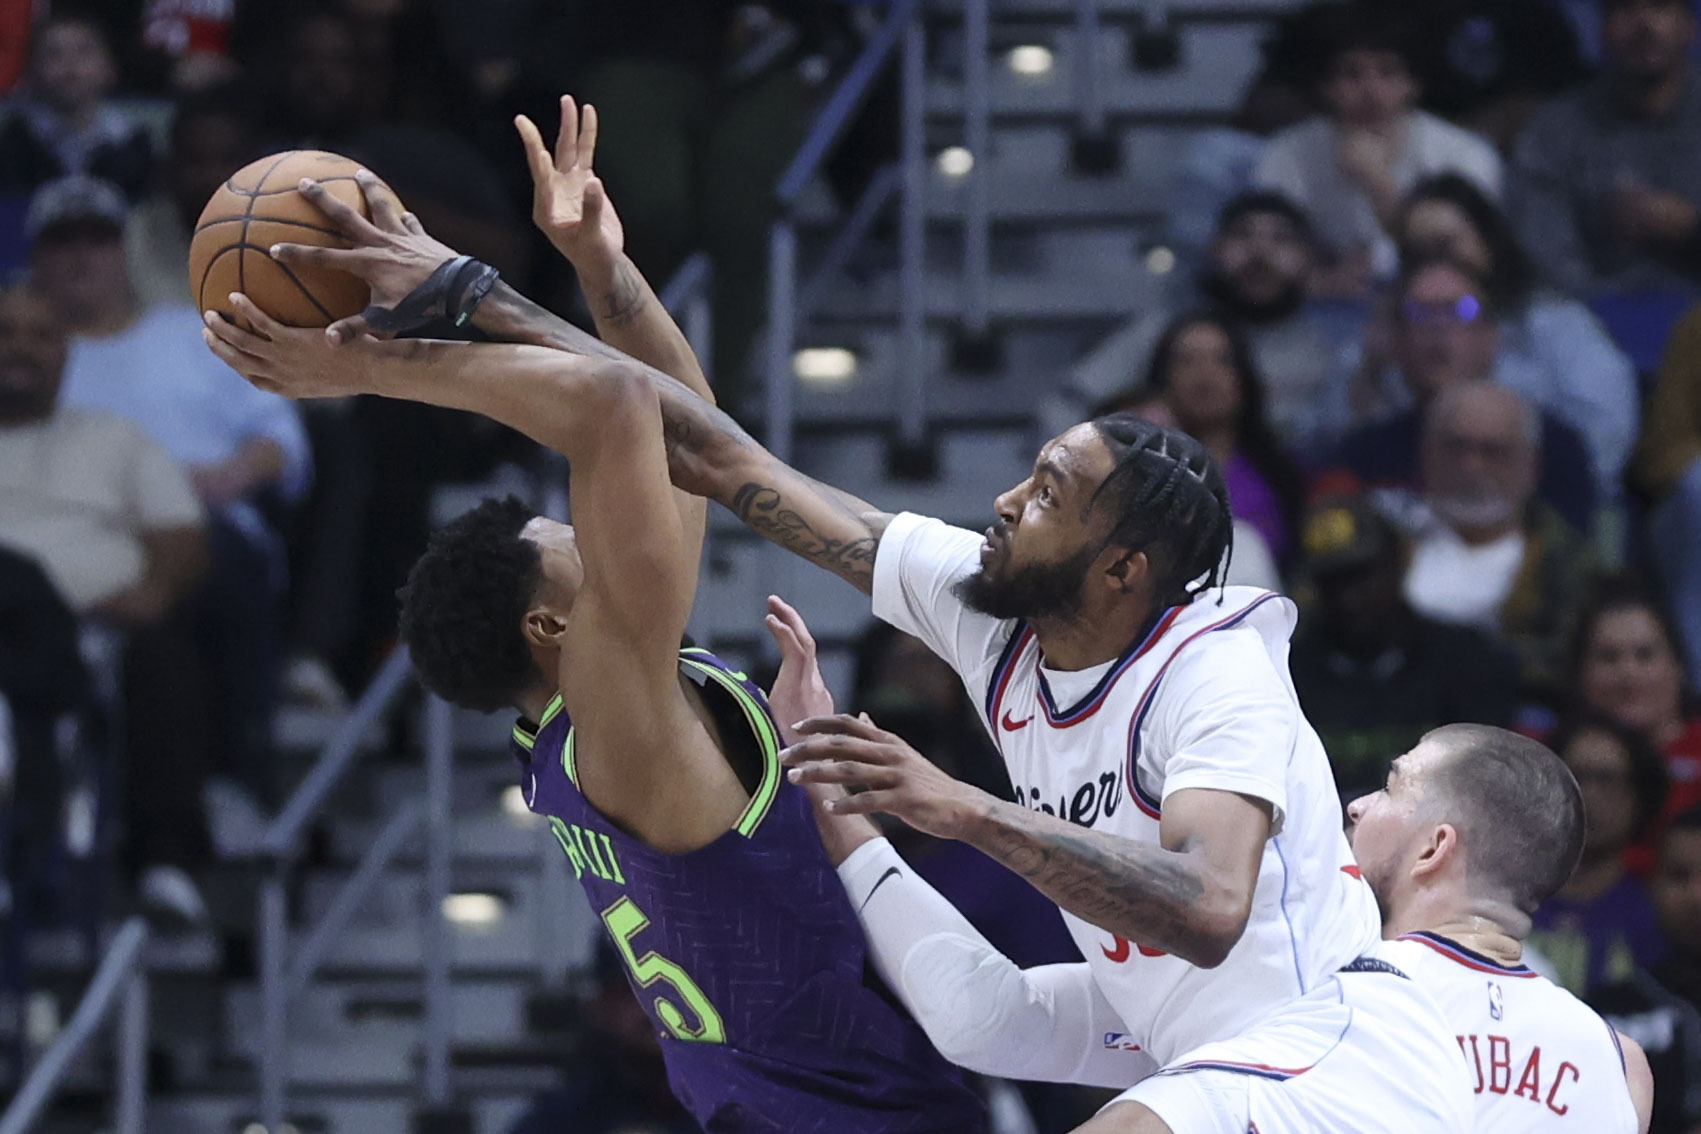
{"x": 1045, "y": 496}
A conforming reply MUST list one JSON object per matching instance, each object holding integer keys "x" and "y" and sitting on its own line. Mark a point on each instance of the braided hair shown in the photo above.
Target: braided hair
{"x": 1168, "y": 500}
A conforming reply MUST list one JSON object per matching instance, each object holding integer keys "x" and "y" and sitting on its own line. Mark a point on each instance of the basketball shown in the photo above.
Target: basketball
{"x": 259, "y": 206}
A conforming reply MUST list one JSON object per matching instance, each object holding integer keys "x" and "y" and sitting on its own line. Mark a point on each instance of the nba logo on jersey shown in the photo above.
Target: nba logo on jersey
{"x": 1496, "y": 1001}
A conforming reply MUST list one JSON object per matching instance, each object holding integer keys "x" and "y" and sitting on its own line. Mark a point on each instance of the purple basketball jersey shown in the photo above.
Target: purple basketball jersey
{"x": 747, "y": 954}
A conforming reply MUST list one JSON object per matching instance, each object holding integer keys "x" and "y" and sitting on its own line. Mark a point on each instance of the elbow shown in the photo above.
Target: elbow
{"x": 1219, "y": 926}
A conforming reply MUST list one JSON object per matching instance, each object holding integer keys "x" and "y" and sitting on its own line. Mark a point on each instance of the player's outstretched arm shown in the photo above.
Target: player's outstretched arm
{"x": 571, "y": 207}
{"x": 1190, "y": 896}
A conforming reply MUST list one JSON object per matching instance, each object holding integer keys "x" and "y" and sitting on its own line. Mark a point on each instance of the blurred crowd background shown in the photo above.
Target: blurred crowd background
{"x": 1432, "y": 311}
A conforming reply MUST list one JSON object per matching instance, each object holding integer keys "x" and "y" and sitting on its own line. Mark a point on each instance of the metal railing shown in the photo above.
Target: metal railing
{"x": 283, "y": 977}
{"x": 121, "y": 979}
{"x": 902, "y": 25}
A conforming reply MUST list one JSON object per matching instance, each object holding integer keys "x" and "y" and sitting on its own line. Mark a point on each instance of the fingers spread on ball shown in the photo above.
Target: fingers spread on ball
{"x": 346, "y": 217}
{"x": 385, "y": 205}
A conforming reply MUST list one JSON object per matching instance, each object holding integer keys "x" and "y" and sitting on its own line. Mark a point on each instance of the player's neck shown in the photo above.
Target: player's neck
{"x": 1483, "y": 937}
{"x": 535, "y": 704}
{"x": 1092, "y": 637}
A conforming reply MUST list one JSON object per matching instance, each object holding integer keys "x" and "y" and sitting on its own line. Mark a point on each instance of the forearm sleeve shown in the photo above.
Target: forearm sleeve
{"x": 981, "y": 1011}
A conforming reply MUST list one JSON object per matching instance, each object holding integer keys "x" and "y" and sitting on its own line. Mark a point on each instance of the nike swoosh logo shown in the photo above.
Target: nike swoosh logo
{"x": 1011, "y": 725}
{"x": 891, "y": 871}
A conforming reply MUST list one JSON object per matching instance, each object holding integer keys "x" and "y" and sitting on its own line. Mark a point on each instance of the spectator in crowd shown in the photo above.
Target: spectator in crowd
{"x": 1446, "y": 331}
{"x": 1625, "y": 664}
{"x": 1667, "y": 468}
{"x": 1607, "y": 179}
{"x": 318, "y": 93}
{"x": 1660, "y": 1006}
{"x": 1258, "y": 274}
{"x": 703, "y": 104}
{"x": 1373, "y": 674}
{"x": 1553, "y": 350}
{"x": 64, "y": 124}
{"x": 43, "y": 679}
{"x": 1485, "y": 551}
{"x": 212, "y": 136}
{"x": 1600, "y": 926}
{"x": 1203, "y": 371}
{"x": 1488, "y": 64}
{"x": 1349, "y": 168}
{"x": 244, "y": 450}
{"x": 116, "y": 526}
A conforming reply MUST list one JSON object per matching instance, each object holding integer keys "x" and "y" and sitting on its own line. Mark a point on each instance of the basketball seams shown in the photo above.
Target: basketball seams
{"x": 280, "y": 218}
{"x": 269, "y": 220}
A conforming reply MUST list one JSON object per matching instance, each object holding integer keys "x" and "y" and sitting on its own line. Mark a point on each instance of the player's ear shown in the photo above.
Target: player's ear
{"x": 1438, "y": 852}
{"x": 543, "y": 628}
{"x": 1122, "y": 570}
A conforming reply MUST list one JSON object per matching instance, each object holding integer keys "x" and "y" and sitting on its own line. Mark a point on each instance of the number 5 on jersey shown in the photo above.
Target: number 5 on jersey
{"x": 625, "y": 921}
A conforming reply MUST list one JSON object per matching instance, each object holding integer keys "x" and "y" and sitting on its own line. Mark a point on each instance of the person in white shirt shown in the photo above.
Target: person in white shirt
{"x": 1475, "y": 828}
{"x": 1350, "y": 167}
{"x": 1485, "y": 552}
{"x": 1177, "y": 806}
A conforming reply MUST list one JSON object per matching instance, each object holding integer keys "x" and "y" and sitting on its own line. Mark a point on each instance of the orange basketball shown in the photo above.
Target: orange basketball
{"x": 259, "y": 206}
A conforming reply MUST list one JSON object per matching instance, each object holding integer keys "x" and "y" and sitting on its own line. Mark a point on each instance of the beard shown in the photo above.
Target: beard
{"x": 1035, "y": 592}
{"x": 1474, "y": 510}
{"x": 1258, "y": 312}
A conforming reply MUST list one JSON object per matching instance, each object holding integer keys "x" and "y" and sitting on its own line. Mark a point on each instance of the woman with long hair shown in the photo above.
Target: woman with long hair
{"x": 1203, "y": 371}
{"x": 1626, "y": 664}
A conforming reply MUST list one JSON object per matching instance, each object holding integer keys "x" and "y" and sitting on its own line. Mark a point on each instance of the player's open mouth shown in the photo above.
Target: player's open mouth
{"x": 990, "y": 545}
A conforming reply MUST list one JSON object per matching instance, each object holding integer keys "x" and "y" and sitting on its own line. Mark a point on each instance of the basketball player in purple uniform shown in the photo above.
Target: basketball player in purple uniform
{"x": 658, "y": 769}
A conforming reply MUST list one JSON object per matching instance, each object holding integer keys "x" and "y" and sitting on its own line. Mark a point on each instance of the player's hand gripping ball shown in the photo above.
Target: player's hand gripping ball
{"x": 262, "y": 205}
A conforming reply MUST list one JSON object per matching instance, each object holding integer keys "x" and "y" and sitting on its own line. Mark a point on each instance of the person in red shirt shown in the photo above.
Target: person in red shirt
{"x": 1626, "y": 663}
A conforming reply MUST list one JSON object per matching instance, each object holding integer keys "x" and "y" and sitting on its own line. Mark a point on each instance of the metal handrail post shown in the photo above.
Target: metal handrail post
{"x": 122, "y": 963}
{"x": 274, "y": 1000}
{"x": 912, "y": 237}
{"x": 439, "y": 834}
{"x": 130, "y": 1103}
{"x": 782, "y": 335}
{"x": 977, "y": 136}
{"x": 1089, "y": 95}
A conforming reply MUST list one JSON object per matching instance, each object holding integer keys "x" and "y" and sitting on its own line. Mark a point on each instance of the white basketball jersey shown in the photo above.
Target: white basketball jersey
{"x": 1204, "y": 701}
{"x": 1539, "y": 1059}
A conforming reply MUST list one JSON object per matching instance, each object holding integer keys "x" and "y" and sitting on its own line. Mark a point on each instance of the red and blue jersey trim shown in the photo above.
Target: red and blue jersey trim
{"x": 1456, "y": 952}
{"x": 1094, "y": 701}
{"x": 1004, "y": 670}
{"x": 1259, "y": 1070}
{"x": 1143, "y": 800}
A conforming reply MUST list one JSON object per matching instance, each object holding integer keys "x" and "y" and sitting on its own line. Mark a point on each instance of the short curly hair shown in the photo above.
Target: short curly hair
{"x": 464, "y": 601}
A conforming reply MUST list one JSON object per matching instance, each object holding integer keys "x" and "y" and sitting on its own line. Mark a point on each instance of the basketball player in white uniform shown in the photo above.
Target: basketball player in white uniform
{"x": 1474, "y": 830}
{"x": 1206, "y": 877}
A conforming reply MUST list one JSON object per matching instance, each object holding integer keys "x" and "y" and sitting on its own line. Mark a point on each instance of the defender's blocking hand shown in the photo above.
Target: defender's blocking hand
{"x": 392, "y": 252}
{"x": 892, "y": 776}
{"x": 569, "y": 204}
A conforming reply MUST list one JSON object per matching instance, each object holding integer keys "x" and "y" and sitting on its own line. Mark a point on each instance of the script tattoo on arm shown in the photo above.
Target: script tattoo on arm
{"x": 1137, "y": 891}
{"x": 765, "y": 511}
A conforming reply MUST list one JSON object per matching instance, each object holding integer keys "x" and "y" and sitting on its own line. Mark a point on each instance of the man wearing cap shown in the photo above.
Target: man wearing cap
{"x": 1373, "y": 674}
{"x": 241, "y": 447}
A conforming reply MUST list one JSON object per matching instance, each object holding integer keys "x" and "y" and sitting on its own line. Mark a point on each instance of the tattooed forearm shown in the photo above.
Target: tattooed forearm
{"x": 510, "y": 317}
{"x": 627, "y": 298}
{"x": 1158, "y": 898}
{"x": 765, "y": 511}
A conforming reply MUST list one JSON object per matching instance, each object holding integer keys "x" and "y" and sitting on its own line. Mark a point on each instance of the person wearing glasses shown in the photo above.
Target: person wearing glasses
{"x": 1444, "y": 330}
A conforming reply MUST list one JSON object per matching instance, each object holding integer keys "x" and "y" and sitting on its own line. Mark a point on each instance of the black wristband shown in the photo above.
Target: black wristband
{"x": 453, "y": 291}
